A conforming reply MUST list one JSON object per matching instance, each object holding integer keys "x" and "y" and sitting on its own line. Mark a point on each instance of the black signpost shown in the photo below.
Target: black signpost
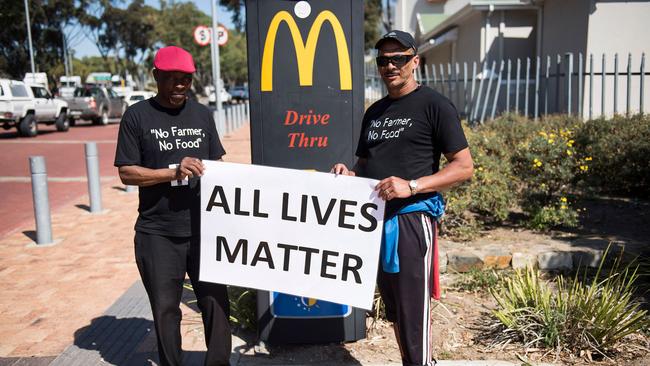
{"x": 305, "y": 71}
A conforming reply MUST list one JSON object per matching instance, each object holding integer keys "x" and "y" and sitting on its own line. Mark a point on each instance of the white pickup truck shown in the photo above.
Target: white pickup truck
{"x": 21, "y": 108}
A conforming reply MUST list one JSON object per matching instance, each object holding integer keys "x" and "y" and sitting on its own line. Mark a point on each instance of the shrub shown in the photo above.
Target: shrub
{"x": 243, "y": 308}
{"x": 488, "y": 196}
{"x": 621, "y": 155}
{"x": 581, "y": 315}
{"x": 547, "y": 165}
{"x": 476, "y": 280}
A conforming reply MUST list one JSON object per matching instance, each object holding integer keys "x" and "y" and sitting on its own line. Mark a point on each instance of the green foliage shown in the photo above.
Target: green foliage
{"x": 488, "y": 197}
{"x": 46, "y": 20}
{"x": 584, "y": 314}
{"x": 546, "y": 165}
{"x": 620, "y": 149}
{"x": 543, "y": 167}
{"x": 476, "y": 280}
{"x": 243, "y": 308}
{"x": 372, "y": 20}
{"x": 233, "y": 59}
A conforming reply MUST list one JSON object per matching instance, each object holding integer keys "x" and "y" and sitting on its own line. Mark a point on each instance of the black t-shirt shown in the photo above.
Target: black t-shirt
{"x": 155, "y": 137}
{"x": 405, "y": 137}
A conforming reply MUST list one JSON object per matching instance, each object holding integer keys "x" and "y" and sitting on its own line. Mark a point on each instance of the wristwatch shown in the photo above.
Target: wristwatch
{"x": 413, "y": 184}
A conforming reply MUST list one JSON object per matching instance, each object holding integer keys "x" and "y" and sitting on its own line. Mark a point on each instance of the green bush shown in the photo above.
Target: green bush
{"x": 243, "y": 308}
{"x": 543, "y": 167}
{"x": 620, "y": 152}
{"x": 590, "y": 315}
{"x": 488, "y": 196}
{"x": 476, "y": 280}
{"x": 547, "y": 165}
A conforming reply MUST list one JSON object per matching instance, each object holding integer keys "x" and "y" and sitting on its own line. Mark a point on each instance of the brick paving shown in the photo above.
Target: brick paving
{"x": 52, "y": 293}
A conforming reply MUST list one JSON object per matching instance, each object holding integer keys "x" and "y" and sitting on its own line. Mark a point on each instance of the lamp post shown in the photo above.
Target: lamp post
{"x": 29, "y": 36}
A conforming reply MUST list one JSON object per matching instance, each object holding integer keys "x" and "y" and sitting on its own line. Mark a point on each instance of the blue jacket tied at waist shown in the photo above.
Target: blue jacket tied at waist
{"x": 433, "y": 206}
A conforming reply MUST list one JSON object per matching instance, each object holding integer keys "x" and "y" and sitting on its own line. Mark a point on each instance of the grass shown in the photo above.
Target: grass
{"x": 477, "y": 280}
{"x": 586, "y": 316}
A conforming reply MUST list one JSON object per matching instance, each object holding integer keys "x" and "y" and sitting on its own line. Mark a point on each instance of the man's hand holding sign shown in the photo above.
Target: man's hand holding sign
{"x": 303, "y": 233}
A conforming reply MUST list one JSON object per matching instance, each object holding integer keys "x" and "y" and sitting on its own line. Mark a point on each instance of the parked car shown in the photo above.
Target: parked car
{"x": 239, "y": 93}
{"x": 95, "y": 103}
{"x": 121, "y": 86}
{"x": 49, "y": 109}
{"x": 19, "y": 108}
{"x": 224, "y": 97}
{"x": 68, "y": 85}
{"x": 137, "y": 96}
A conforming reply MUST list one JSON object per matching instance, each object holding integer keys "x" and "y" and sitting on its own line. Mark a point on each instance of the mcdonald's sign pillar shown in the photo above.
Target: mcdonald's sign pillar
{"x": 305, "y": 70}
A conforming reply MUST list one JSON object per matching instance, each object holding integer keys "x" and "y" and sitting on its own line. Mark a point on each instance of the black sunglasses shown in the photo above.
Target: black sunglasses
{"x": 397, "y": 60}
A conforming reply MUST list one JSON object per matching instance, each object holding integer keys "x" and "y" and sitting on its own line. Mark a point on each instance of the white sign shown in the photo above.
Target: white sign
{"x": 303, "y": 233}
{"x": 223, "y": 35}
{"x": 202, "y": 35}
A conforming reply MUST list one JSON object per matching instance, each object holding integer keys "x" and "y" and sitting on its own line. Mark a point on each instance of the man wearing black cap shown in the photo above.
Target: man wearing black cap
{"x": 402, "y": 138}
{"x": 160, "y": 146}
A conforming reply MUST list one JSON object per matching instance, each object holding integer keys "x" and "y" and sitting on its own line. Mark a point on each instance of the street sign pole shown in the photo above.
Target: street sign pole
{"x": 29, "y": 36}
{"x": 216, "y": 72}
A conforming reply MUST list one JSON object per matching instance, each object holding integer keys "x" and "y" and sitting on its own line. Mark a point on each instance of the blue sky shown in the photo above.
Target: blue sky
{"x": 88, "y": 48}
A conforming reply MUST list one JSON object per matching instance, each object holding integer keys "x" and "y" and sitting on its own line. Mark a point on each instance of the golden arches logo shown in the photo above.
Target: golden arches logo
{"x": 305, "y": 52}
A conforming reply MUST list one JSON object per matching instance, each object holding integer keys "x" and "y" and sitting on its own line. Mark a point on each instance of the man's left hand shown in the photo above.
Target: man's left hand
{"x": 393, "y": 187}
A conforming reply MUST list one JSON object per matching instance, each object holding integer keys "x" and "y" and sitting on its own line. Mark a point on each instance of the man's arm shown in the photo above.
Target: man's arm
{"x": 136, "y": 175}
{"x": 460, "y": 168}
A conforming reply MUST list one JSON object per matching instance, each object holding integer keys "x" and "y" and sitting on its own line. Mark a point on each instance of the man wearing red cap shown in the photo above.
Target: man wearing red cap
{"x": 160, "y": 146}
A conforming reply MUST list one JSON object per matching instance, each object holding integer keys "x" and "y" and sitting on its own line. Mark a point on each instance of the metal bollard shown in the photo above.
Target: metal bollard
{"x": 226, "y": 112}
{"x": 239, "y": 117}
{"x": 92, "y": 169}
{"x": 242, "y": 114}
{"x": 41, "y": 200}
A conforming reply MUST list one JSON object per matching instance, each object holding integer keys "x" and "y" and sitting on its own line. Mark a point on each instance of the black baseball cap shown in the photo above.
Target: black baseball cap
{"x": 404, "y": 38}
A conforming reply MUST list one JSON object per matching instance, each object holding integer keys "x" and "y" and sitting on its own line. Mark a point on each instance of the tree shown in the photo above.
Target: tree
{"x": 233, "y": 60}
{"x": 46, "y": 19}
{"x": 175, "y": 26}
{"x": 372, "y": 16}
{"x": 125, "y": 34}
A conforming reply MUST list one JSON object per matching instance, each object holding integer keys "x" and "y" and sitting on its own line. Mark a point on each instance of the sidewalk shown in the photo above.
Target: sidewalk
{"x": 80, "y": 301}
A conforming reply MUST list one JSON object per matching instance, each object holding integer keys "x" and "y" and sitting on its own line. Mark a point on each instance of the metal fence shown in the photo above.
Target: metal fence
{"x": 590, "y": 88}
{"x": 232, "y": 117}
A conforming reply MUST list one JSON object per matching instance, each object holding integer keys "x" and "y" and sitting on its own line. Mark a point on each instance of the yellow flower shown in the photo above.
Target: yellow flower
{"x": 584, "y": 168}
{"x": 570, "y": 143}
{"x": 537, "y": 163}
{"x": 480, "y": 169}
{"x": 563, "y": 207}
{"x": 550, "y": 141}
{"x": 568, "y": 152}
{"x": 563, "y": 199}
{"x": 588, "y": 158}
{"x": 542, "y": 133}
{"x": 552, "y": 135}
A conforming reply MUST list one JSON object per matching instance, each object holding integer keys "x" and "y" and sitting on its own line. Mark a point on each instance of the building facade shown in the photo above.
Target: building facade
{"x": 483, "y": 31}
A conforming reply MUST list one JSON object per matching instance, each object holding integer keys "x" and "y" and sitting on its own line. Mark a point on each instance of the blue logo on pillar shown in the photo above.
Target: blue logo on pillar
{"x": 290, "y": 306}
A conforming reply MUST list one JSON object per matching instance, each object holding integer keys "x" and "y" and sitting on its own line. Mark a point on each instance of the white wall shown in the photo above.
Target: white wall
{"x": 406, "y": 10}
{"x": 618, "y": 27}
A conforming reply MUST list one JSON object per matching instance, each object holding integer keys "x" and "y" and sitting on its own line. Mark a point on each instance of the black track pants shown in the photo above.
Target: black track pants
{"x": 162, "y": 263}
{"x": 407, "y": 294}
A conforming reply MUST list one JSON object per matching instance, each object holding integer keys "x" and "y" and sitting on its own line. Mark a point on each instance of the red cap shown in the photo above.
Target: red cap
{"x": 172, "y": 58}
